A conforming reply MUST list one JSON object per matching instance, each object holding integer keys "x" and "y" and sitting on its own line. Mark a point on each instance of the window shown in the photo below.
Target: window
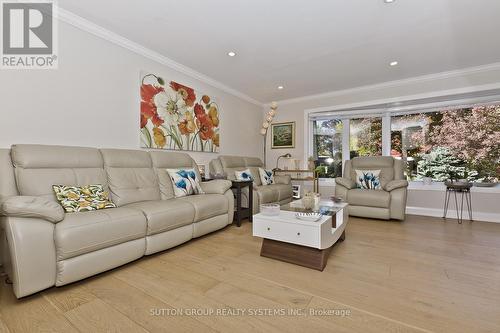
{"x": 453, "y": 142}
{"x": 327, "y": 143}
{"x": 462, "y": 143}
{"x": 365, "y": 138}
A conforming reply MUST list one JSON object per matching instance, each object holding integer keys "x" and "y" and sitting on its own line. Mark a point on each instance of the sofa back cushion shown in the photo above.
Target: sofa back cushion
{"x": 38, "y": 167}
{"x": 254, "y": 163}
{"x": 131, "y": 177}
{"x": 230, "y": 164}
{"x": 383, "y": 163}
{"x": 170, "y": 160}
{"x": 8, "y": 186}
{"x": 215, "y": 167}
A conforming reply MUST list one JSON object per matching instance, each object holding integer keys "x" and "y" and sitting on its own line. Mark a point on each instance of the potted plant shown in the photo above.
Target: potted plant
{"x": 310, "y": 163}
{"x": 321, "y": 170}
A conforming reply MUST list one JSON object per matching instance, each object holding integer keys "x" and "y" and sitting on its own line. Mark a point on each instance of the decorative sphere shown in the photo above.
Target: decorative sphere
{"x": 265, "y": 124}
{"x": 274, "y": 105}
{"x": 272, "y": 113}
{"x": 263, "y": 131}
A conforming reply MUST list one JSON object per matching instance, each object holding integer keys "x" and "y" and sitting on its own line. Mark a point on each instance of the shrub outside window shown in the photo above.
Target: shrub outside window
{"x": 365, "y": 137}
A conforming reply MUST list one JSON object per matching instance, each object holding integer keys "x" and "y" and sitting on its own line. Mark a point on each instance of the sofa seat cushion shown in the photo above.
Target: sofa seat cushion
{"x": 267, "y": 193}
{"x": 285, "y": 191}
{"x": 164, "y": 215}
{"x": 207, "y": 205}
{"x": 370, "y": 198}
{"x": 85, "y": 232}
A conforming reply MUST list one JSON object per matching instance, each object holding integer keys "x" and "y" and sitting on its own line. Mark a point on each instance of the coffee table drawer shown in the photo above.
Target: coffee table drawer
{"x": 286, "y": 232}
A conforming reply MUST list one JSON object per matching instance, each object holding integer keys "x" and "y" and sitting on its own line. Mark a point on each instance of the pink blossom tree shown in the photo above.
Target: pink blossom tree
{"x": 473, "y": 135}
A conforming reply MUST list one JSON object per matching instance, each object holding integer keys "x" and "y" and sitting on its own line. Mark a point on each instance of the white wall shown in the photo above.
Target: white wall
{"x": 423, "y": 201}
{"x": 93, "y": 100}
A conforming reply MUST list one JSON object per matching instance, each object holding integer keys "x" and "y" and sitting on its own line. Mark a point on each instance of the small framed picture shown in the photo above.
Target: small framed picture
{"x": 296, "y": 191}
{"x": 283, "y": 135}
{"x": 202, "y": 170}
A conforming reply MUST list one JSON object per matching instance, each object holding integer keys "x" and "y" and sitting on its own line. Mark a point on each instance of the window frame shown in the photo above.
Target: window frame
{"x": 353, "y": 111}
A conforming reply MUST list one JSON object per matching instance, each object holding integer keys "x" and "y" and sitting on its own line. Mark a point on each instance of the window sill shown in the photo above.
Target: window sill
{"x": 419, "y": 186}
{"x": 439, "y": 186}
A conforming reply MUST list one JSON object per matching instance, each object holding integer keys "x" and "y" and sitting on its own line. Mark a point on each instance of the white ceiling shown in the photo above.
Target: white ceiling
{"x": 308, "y": 46}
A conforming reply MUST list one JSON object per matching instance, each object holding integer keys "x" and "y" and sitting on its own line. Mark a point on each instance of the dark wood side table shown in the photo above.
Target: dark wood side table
{"x": 241, "y": 212}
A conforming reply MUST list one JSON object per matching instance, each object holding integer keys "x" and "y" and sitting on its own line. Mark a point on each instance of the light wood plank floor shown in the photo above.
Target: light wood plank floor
{"x": 423, "y": 275}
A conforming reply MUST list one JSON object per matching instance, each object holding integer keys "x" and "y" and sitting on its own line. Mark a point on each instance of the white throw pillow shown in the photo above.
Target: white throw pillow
{"x": 185, "y": 182}
{"x": 266, "y": 176}
{"x": 243, "y": 175}
{"x": 368, "y": 179}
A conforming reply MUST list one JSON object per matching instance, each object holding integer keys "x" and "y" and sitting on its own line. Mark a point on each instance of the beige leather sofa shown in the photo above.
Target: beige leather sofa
{"x": 280, "y": 192}
{"x": 43, "y": 246}
{"x": 388, "y": 203}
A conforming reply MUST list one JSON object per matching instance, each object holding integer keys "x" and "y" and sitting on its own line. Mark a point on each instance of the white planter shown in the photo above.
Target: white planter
{"x": 427, "y": 180}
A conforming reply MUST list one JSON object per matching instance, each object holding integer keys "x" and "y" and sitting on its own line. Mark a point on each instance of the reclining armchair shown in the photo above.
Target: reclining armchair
{"x": 387, "y": 203}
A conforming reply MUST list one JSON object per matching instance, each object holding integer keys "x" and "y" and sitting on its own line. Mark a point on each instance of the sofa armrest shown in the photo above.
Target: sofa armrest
{"x": 347, "y": 183}
{"x": 394, "y": 184}
{"x": 34, "y": 207}
{"x": 216, "y": 186}
{"x": 283, "y": 179}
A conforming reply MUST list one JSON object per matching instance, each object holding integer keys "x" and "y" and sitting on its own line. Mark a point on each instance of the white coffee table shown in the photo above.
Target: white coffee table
{"x": 301, "y": 242}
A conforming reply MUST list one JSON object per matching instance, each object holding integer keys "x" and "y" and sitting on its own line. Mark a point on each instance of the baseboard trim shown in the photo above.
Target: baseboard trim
{"x": 452, "y": 214}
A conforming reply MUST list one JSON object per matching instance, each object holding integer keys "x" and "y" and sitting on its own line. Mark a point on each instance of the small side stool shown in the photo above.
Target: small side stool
{"x": 464, "y": 190}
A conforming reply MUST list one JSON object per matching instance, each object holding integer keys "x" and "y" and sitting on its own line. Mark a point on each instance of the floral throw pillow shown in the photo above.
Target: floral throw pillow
{"x": 266, "y": 176}
{"x": 244, "y": 175}
{"x": 82, "y": 198}
{"x": 368, "y": 179}
{"x": 185, "y": 182}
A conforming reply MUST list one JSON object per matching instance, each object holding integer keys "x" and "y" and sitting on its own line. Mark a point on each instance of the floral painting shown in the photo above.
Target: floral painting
{"x": 174, "y": 116}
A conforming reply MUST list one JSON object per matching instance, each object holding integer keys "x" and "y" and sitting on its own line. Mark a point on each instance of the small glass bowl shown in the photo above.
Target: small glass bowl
{"x": 270, "y": 209}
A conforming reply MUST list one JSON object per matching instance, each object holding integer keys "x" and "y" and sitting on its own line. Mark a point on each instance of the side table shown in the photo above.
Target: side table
{"x": 241, "y": 212}
{"x": 464, "y": 189}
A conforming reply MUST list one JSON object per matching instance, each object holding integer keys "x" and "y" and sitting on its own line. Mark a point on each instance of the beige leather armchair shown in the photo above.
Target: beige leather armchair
{"x": 387, "y": 203}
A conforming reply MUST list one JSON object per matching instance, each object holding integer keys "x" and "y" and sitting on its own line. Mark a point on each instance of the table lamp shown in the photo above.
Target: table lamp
{"x": 287, "y": 155}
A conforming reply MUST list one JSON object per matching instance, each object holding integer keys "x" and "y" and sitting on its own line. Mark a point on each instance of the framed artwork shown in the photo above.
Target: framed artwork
{"x": 174, "y": 116}
{"x": 283, "y": 135}
{"x": 296, "y": 191}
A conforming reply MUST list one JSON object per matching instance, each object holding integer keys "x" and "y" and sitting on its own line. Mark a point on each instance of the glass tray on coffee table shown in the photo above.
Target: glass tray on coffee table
{"x": 324, "y": 207}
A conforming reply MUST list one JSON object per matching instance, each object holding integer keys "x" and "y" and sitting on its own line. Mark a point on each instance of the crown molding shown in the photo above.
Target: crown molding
{"x": 396, "y": 83}
{"x": 96, "y": 30}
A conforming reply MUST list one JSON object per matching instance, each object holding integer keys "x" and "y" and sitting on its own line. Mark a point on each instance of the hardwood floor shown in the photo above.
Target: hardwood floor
{"x": 422, "y": 275}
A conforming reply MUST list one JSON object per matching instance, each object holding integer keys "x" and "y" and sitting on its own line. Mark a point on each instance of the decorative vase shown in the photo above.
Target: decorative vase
{"x": 308, "y": 202}
{"x": 311, "y": 165}
{"x": 296, "y": 164}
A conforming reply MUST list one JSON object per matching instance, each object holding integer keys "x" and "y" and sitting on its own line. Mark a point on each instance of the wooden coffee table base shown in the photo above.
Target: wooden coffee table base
{"x": 297, "y": 254}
